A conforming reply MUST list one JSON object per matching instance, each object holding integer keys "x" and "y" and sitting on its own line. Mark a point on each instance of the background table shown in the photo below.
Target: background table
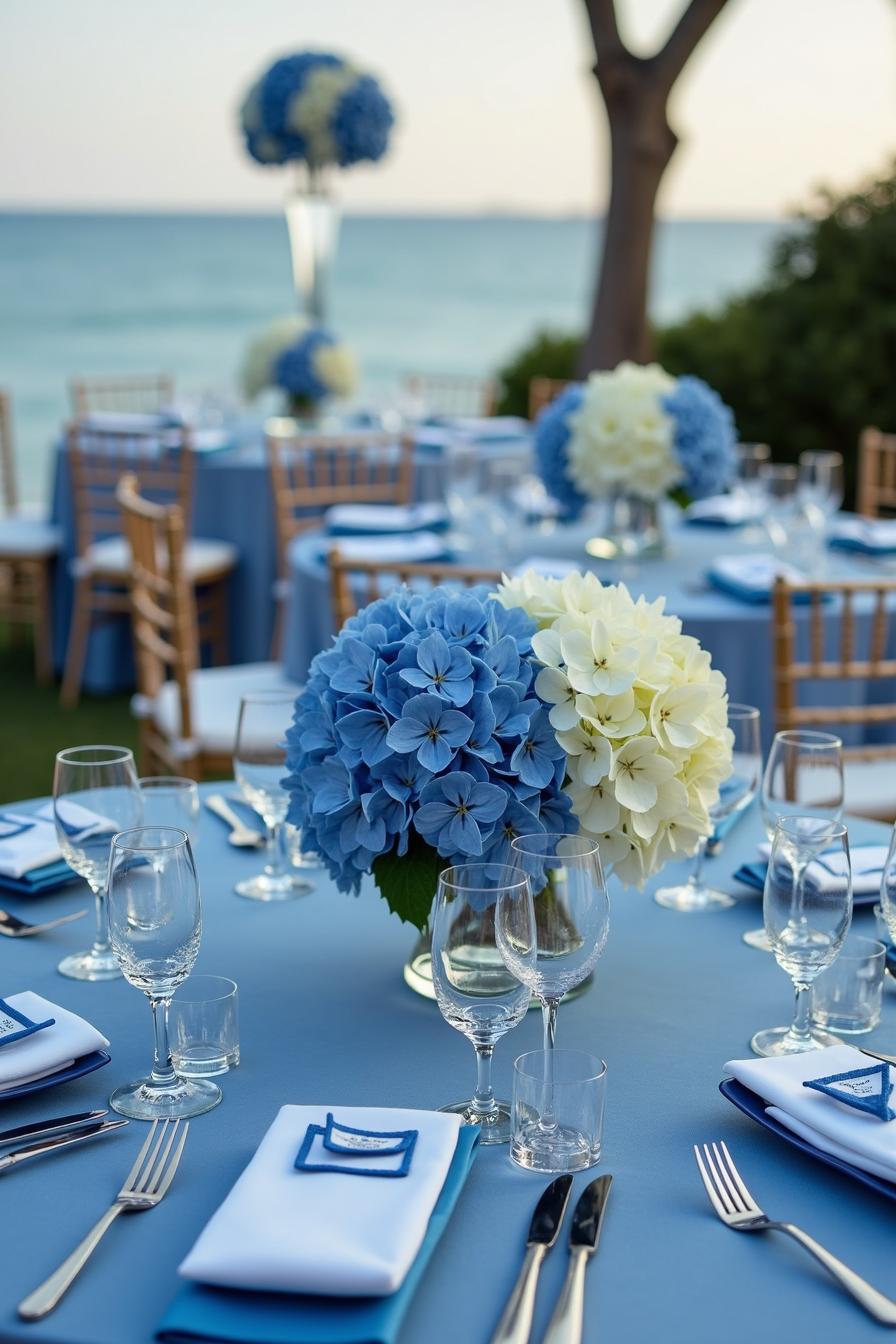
{"x": 326, "y": 1019}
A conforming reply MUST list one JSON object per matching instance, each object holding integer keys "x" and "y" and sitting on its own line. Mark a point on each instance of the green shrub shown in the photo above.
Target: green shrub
{"x": 548, "y": 355}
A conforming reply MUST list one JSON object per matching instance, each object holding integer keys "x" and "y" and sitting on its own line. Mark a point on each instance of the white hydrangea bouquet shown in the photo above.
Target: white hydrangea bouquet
{"x": 640, "y": 712}
{"x": 306, "y": 362}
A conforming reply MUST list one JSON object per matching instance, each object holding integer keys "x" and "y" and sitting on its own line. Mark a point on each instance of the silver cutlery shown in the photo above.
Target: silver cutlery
{"x": 145, "y": 1186}
{"x": 516, "y": 1321}
{"x": 42, "y": 1146}
{"x": 240, "y": 834}
{"x": 13, "y": 927}
{"x": 61, "y": 1124}
{"x": 565, "y": 1325}
{"x": 737, "y": 1208}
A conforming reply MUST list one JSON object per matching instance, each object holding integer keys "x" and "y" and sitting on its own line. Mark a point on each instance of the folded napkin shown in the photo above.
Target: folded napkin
{"x": 724, "y": 511}
{"x": 353, "y": 520}
{"x": 27, "y": 841}
{"x": 825, "y": 873}
{"x": 551, "y": 567}
{"x": 48, "y": 1051}
{"x": 38, "y": 881}
{"x": 488, "y": 428}
{"x": 871, "y": 536}
{"x": 750, "y": 577}
{"x": 852, "y": 1135}
{"x": 236, "y": 1317}
{"x": 416, "y": 546}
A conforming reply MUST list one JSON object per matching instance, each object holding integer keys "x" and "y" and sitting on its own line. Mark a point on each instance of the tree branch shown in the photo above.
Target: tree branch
{"x": 695, "y": 22}
{"x": 605, "y": 29}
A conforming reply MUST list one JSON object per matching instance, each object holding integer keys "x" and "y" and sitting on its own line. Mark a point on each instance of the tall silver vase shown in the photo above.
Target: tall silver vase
{"x": 312, "y": 218}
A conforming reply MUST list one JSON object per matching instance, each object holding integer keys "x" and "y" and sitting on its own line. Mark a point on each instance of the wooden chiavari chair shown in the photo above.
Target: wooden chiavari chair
{"x": 128, "y": 394}
{"x": 98, "y": 458}
{"x": 355, "y": 583}
{"x": 187, "y": 714}
{"x": 542, "y": 391}
{"x": 452, "y": 394}
{"x": 311, "y": 473}
{"x": 28, "y": 547}
{"x": 876, "y": 492}
{"x": 836, "y": 655}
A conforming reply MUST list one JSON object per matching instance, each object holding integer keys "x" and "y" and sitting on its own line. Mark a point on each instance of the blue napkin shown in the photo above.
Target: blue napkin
{"x": 750, "y": 578}
{"x": 38, "y": 880}
{"x": 228, "y": 1316}
{"x": 385, "y": 520}
{"x": 867, "y": 536}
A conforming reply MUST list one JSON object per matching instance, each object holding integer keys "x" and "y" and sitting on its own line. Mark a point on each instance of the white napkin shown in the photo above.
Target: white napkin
{"x": 49, "y": 1050}
{"x": 284, "y": 1230}
{"x": 417, "y": 546}
{"x": 754, "y": 573}
{"x": 549, "y": 566}
{"x": 731, "y": 509}
{"x": 828, "y": 870}
{"x": 875, "y": 533}
{"x": 384, "y": 518}
{"x": 488, "y": 427}
{"x": 852, "y": 1135}
{"x": 31, "y": 848}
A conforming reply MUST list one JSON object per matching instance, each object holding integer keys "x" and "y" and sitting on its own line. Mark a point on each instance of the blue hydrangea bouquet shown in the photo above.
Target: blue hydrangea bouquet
{"x": 303, "y": 360}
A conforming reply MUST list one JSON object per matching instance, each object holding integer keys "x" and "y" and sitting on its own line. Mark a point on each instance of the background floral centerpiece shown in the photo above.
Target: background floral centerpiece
{"x": 306, "y": 362}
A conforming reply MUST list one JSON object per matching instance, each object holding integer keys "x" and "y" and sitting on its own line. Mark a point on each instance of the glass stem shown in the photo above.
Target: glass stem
{"x": 101, "y": 937}
{"x": 802, "y": 1010}
{"x": 696, "y": 877}
{"x": 163, "y": 1074}
{"x": 274, "y": 854}
{"x": 483, "y": 1102}
{"x": 549, "y": 1008}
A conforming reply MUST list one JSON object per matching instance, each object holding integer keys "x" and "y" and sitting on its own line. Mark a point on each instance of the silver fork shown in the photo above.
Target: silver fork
{"x": 13, "y": 927}
{"x": 737, "y": 1208}
{"x": 145, "y": 1185}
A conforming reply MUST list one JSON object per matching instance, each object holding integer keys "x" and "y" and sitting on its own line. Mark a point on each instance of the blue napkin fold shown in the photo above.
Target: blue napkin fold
{"x": 38, "y": 880}
{"x": 228, "y": 1316}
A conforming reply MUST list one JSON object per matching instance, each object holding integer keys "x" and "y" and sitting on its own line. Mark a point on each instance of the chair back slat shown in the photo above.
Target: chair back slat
{"x": 876, "y": 491}
{"x": 99, "y": 458}
{"x": 452, "y": 394}
{"x": 128, "y": 394}
{"x": 8, "y": 482}
{"x": 371, "y": 579}
{"x": 542, "y": 391}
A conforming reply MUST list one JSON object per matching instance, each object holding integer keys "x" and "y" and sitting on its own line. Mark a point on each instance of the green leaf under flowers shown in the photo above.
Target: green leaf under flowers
{"x": 409, "y": 884}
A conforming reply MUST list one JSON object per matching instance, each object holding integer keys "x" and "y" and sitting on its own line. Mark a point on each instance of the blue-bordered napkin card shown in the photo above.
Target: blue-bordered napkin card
{"x": 15, "y": 1025}
{"x": 863, "y": 1089}
{"x": 356, "y": 1152}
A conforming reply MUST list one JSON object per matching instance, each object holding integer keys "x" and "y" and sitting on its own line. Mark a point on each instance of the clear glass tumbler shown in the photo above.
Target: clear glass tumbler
{"x": 204, "y": 1026}
{"x": 577, "y": 1106}
{"x": 846, "y": 998}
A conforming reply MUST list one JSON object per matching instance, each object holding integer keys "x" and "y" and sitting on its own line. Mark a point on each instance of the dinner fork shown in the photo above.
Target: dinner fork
{"x": 13, "y": 927}
{"x": 145, "y": 1185}
{"x": 737, "y": 1208}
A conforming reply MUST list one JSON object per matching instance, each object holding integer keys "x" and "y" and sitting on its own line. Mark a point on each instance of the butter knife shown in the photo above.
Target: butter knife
{"x": 44, "y": 1129}
{"x": 515, "y": 1324}
{"x": 565, "y": 1326}
{"x": 61, "y": 1141}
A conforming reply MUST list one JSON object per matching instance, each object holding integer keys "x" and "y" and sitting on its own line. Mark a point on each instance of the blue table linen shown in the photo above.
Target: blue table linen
{"x": 237, "y": 1317}
{"x": 38, "y": 880}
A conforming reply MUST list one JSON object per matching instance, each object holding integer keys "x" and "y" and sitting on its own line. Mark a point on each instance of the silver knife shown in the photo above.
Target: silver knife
{"x": 44, "y": 1128}
{"x": 61, "y": 1141}
{"x": 565, "y": 1326}
{"x": 516, "y": 1322}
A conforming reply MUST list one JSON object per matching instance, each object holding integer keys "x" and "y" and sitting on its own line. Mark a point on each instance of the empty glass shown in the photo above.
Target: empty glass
{"x": 888, "y": 891}
{"x": 803, "y": 775}
{"x": 169, "y": 800}
{"x": 821, "y": 482}
{"x": 751, "y": 458}
{"x": 155, "y": 924}
{"x": 475, "y": 991}
{"x": 807, "y": 909}
{"x": 204, "y": 1026}
{"x": 95, "y": 794}
{"x": 779, "y": 482}
{"x": 551, "y": 934}
{"x": 259, "y": 765}
{"x": 578, "y": 1098}
{"x": 735, "y": 795}
{"x": 846, "y": 998}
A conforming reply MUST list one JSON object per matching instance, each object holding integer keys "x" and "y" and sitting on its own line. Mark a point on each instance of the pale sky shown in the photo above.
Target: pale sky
{"x": 115, "y": 103}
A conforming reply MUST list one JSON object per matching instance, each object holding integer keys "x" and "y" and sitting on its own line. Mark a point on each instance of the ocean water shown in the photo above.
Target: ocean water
{"x": 116, "y": 293}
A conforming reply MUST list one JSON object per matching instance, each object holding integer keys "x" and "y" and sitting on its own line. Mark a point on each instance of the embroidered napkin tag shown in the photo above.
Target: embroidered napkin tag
{"x": 344, "y": 1139}
{"x": 14, "y": 1025}
{"x": 863, "y": 1089}
{"x": 356, "y": 1152}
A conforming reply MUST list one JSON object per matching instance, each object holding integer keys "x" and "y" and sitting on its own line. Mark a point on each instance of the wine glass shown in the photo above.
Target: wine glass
{"x": 259, "y": 764}
{"x": 475, "y": 991}
{"x": 155, "y": 924}
{"x": 170, "y": 800}
{"x": 95, "y": 794}
{"x": 803, "y": 775}
{"x": 751, "y": 458}
{"x": 821, "y": 482}
{"x": 735, "y": 795}
{"x": 888, "y": 890}
{"x": 779, "y": 482}
{"x": 807, "y": 913}
{"x": 550, "y": 935}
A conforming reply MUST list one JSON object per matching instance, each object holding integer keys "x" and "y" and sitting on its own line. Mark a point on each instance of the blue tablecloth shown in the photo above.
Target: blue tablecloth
{"x": 326, "y": 1018}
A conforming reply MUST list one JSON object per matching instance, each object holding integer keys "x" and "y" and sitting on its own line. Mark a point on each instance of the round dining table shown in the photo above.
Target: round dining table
{"x": 326, "y": 1019}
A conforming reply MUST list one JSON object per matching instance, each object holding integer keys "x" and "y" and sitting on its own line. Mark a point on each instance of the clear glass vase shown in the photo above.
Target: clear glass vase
{"x": 633, "y": 528}
{"x": 312, "y": 217}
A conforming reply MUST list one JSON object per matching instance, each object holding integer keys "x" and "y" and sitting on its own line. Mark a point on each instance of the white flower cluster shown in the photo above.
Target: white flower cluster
{"x": 621, "y": 438}
{"x": 264, "y": 349}
{"x": 640, "y": 712}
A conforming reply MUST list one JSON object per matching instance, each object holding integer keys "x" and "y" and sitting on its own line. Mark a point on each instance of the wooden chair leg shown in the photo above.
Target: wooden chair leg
{"x": 43, "y": 623}
{"x": 76, "y": 652}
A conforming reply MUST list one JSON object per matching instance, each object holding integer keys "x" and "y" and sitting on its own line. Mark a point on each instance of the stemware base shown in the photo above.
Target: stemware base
{"x": 96, "y": 964}
{"x": 559, "y": 1149}
{"x": 282, "y": 887}
{"x": 689, "y": 898}
{"x": 493, "y": 1127}
{"x": 776, "y": 1041}
{"x": 758, "y": 939}
{"x": 145, "y": 1100}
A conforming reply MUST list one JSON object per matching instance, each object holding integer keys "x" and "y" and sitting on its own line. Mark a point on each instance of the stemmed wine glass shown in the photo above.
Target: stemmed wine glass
{"x": 155, "y": 924}
{"x": 735, "y": 795}
{"x": 475, "y": 991}
{"x": 95, "y": 794}
{"x": 803, "y": 775}
{"x": 550, "y": 935}
{"x": 807, "y": 916}
{"x": 170, "y": 800}
{"x": 821, "y": 482}
{"x": 780, "y": 482}
{"x": 259, "y": 764}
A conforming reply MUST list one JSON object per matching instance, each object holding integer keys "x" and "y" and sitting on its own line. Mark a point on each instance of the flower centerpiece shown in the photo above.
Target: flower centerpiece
{"x": 439, "y": 726}
{"x": 306, "y": 362}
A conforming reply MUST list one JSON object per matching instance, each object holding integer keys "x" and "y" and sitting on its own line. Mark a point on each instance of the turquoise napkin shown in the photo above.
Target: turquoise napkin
{"x": 227, "y": 1316}
{"x": 47, "y": 878}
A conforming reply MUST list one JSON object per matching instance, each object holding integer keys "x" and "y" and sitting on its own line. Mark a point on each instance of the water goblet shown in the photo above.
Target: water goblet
{"x": 887, "y": 907}
{"x": 550, "y": 936}
{"x": 751, "y": 458}
{"x": 155, "y": 925}
{"x": 95, "y": 794}
{"x": 779, "y": 483}
{"x": 259, "y": 765}
{"x": 821, "y": 482}
{"x": 476, "y": 993}
{"x": 803, "y": 775}
{"x": 807, "y": 910}
{"x": 736, "y": 793}
{"x": 171, "y": 800}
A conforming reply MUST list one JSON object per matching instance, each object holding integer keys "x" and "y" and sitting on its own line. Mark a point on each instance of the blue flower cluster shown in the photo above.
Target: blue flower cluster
{"x": 705, "y": 437}
{"x": 295, "y": 370}
{"x": 423, "y": 717}
{"x": 357, "y": 123}
{"x": 551, "y": 441}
